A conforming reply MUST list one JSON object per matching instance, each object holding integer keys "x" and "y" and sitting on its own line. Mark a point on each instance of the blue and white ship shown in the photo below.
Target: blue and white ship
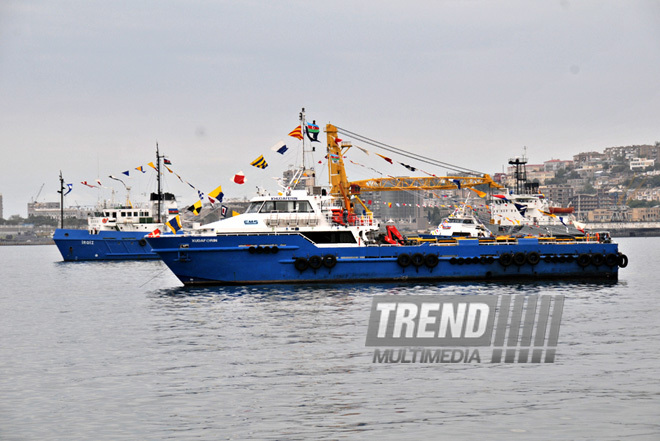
{"x": 316, "y": 236}
{"x": 118, "y": 233}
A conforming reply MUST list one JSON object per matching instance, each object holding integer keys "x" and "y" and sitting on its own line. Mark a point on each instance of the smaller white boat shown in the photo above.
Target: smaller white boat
{"x": 462, "y": 223}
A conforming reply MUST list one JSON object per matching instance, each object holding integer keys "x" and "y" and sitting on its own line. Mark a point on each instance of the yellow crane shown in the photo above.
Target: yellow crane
{"x": 342, "y": 188}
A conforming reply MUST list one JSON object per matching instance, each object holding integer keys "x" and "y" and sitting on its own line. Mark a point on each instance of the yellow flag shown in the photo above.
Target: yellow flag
{"x": 481, "y": 194}
{"x": 215, "y": 193}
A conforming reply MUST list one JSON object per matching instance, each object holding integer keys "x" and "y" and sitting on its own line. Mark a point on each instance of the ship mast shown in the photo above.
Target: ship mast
{"x": 61, "y": 192}
{"x": 160, "y": 194}
{"x": 301, "y": 117}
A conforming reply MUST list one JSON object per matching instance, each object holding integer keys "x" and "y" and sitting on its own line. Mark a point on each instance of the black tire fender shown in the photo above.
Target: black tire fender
{"x": 417, "y": 259}
{"x": 611, "y": 260}
{"x": 431, "y": 260}
{"x": 301, "y": 264}
{"x": 315, "y": 262}
{"x": 533, "y": 258}
{"x": 519, "y": 258}
{"x": 506, "y": 259}
{"x": 403, "y": 260}
{"x": 597, "y": 259}
{"x": 329, "y": 261}
{"x": 622, "y": 260}
{"x": 583, "y": 260}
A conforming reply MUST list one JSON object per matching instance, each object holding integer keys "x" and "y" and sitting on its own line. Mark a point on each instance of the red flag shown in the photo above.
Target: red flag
{"x": 297, "y": 133}
{"x": 155, "y": 233}
{"x": 239, "y": 178}
{"x": 386, "y": 158}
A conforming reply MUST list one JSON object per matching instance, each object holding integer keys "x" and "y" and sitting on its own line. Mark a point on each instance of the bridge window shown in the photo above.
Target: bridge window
{"x": 254, "y": 207}
{"x": 286, "y": 207}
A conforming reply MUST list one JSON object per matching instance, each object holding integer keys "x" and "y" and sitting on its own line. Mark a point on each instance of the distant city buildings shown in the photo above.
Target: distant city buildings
{"x": 52, "y": 210}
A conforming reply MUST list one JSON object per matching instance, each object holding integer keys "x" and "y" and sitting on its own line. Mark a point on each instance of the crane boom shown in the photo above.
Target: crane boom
{"x": 341, "y": 188}
{"x": 420, "y": 183}
{"x": 39, "y": 192}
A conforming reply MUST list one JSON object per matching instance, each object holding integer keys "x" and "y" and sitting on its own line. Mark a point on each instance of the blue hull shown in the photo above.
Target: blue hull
{"x": 77, "y": 245}
{"x": 288, "y": 258}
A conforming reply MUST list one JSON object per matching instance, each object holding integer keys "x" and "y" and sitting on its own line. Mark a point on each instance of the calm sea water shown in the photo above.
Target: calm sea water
{"x": 120, "y": 351}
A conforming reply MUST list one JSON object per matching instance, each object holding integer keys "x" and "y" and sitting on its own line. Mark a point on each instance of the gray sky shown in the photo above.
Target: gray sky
{"x": 89, "y": 87}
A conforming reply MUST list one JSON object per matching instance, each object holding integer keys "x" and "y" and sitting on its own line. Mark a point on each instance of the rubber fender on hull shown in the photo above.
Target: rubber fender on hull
{"x": 263, "y": 250}
{"x": 533, "y": 258}
{"x": 329, "y": 261}
{"x": 519, "y": 258}
{"x": 301, "y": 264}
{"x": 583, "y": 260}
{"x": 622, "y": 260}
{"x": 431, "y": 260}
{"x": 315, "y": 262}
{"x": 403, "y": 260}
{"x": 506, "y": 259}
{"x": 597, "y": 259}
{"x": 142, "y": 242}
{"x": 611, "y": 260}
{"x": 417, "y": 259}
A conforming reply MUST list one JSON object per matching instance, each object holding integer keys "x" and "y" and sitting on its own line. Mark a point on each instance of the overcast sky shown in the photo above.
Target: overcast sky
{"x": 89, "y": 87}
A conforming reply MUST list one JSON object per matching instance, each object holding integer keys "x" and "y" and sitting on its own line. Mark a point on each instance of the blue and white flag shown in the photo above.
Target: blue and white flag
{"x": 280, "y": 148}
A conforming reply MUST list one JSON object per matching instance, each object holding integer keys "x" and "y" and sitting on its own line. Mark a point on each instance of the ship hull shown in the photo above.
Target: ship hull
{"x": 290, "y": 258}
{"x": 80, "y": 245}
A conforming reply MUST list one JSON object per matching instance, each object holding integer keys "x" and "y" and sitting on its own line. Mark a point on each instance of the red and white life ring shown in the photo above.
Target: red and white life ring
{"x": 105, "y": 220}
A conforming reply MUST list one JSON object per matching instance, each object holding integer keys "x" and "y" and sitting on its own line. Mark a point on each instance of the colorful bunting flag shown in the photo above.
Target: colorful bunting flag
{"x": 196, "y": 208}
{"x": 151, "y": 164}
{"x": 167, "y": 161}
{"x": 70, "y": 187}
{"x": 141, "y": 169}
{"x": 408, "y": 167}
{"x": 239, "y": 178}
{"x": 260, "y": 162}
{"x": 457, "y": 182}
{"x": 126, "y": 173}
{"x": 89, "y": 185}
{"x": 217, "y": 194}
{"x": 386, "y": 158}
{"x": 174, "y": 224}
{"x": 155, "y": 233}
{"x": 481, "y": 194}
{"x": 297, "y": 133}
{"x": 280, "y": 148}
{"x": 201, "y": 195}
{"x": 98, "y": 181}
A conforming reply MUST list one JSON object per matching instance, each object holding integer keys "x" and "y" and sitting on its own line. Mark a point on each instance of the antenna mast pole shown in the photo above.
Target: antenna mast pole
{"x": 160, "y": 195}
{"x": 302, "y": 132}
{"x": 61, "y": 192}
